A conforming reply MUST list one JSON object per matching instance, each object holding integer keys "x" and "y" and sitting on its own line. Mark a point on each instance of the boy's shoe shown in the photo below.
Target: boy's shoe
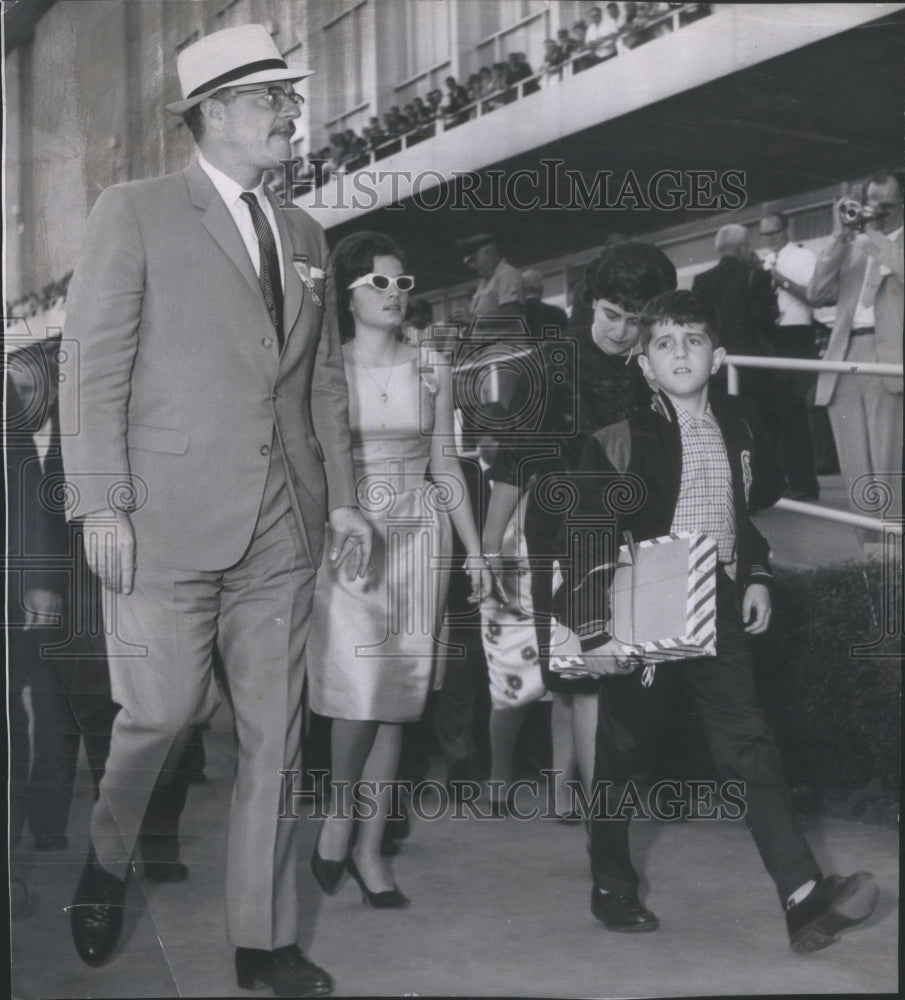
{"x": 286, "y": 971}
{"x": 622, "y": 913}
{"x": 833, "y": 905}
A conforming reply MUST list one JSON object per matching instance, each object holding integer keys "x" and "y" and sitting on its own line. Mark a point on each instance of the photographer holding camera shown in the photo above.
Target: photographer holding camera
{"x": 862, "y": 271}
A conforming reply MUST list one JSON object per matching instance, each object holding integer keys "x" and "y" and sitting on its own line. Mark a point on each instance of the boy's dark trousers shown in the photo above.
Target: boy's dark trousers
{"x": 740, "y": 743}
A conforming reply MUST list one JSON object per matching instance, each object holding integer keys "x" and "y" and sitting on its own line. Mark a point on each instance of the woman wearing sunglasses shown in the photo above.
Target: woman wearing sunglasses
{"x": 371, "y": 652}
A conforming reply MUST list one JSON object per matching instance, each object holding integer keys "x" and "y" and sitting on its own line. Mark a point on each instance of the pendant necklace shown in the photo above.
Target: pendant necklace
{"x": 384, "y": 395}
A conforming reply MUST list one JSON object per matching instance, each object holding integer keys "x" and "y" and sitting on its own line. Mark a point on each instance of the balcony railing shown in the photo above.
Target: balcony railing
{"x": 612, "y": 46}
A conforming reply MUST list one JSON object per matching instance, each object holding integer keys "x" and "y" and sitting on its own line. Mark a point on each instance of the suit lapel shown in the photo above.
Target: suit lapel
{"x": 220, "y": 224}
{"x": 293, "y": 287}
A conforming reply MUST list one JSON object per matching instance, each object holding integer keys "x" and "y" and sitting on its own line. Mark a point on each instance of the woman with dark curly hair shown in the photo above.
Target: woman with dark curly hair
{"x": 606, "y": 386}
{"x": 371, "y": 654}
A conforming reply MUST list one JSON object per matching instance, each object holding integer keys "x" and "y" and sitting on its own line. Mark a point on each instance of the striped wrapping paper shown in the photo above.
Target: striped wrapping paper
{"x": 663, "y": 597}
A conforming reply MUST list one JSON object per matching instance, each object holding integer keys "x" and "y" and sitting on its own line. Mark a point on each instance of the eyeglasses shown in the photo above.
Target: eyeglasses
{"x": 275, "y": 97}
{"x": 402, "y": 283}
{"x": 772, "y": 232}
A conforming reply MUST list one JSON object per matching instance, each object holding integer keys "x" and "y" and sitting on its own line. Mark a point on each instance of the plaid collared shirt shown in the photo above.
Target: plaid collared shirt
{"x": 705, "y": 494}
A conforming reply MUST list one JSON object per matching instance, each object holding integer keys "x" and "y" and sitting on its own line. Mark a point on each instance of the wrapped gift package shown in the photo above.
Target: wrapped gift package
{"x": 566, "y": 657}
{"x": 663, "y": 597}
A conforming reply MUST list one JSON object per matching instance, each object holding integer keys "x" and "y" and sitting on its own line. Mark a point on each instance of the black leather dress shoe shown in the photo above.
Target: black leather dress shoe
{"x": 622, "y": 913}
{"x": 286, "y": 971}
{"x": 96, "y": 914}
{"x": 833, "y": 905}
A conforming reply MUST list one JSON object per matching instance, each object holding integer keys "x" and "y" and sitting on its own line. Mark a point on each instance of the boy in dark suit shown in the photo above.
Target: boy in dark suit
{"x": 697, "y": 460}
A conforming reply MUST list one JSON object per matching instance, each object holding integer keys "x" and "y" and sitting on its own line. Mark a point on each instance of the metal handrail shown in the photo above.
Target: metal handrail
{"x": 736, "y": 361}
{"x": 841, "y": 516}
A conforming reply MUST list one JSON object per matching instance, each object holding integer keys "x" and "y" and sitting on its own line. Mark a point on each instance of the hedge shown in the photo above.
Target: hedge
{"x": 836, "y": 716}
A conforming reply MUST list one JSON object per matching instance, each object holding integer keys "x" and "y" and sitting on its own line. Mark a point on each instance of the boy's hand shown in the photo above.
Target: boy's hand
{"x": 605, "y": 660}
{"x": 611, "y": 659}
{"x": 756, "y": 608}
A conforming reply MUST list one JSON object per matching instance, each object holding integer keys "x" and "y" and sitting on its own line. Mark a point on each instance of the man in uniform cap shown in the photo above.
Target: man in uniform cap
{"x": 213, "y": 415}
{"x": 500, "y": 291}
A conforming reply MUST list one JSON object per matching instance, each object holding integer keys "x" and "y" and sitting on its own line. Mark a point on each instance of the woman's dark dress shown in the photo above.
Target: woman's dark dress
{"x": 603, "y": 390}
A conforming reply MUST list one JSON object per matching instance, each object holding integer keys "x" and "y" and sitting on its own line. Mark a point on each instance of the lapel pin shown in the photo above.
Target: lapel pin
{"x": 300, "y": 263}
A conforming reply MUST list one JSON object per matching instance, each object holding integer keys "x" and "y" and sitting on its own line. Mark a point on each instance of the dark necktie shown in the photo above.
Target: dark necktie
{"x": 269, "y": 268}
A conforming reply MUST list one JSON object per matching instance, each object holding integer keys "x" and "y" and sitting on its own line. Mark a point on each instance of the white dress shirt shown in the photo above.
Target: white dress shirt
{"x": 231, "y": 193}
{"x": 796, "y": 263}
{"x": 864, "y": 312}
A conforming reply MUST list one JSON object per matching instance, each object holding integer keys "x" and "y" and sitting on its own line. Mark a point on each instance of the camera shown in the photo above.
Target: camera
{"x": 854, "y": 214}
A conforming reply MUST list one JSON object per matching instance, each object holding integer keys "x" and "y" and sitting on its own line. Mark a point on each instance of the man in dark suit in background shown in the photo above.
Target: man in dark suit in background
{"x": 742, "y": 294}
{"x": 540, "y": 314}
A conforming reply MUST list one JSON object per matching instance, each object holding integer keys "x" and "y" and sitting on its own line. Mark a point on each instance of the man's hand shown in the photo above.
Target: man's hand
{"x": 42, "y": 607}
{"x": 351, "y": 540}
{"x": 840, "y": 230}
{"x": 110, "y": 548}
{"x": 756, "y": 609}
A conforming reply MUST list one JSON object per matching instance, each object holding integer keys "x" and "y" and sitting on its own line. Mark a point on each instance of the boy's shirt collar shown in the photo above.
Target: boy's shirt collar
{"x": 661, "y": 403}
{"x": 687, "y": 419}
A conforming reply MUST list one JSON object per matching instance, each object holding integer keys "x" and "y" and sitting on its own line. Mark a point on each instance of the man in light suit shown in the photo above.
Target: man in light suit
{"x": 864, "y": 274}
{"x": 213, "y": 439}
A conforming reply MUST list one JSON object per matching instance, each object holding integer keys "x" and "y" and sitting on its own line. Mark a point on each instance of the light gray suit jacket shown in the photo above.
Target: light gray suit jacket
{"x": 180, "y": 380}
{"x": 838, "y": 278}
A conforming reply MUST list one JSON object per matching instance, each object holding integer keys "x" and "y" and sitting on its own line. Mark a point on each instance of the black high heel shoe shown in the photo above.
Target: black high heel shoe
{"x": 327, "y": 873}
{"x": 389, "y": 899}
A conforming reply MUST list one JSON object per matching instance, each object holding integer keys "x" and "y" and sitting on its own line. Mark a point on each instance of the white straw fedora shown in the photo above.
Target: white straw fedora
{"x": 229, "y": 58}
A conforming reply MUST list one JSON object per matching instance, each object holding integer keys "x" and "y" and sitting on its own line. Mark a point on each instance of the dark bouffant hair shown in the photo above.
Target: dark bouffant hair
{"x": 682, "y": 308}
{"x": 353, "y": 257}
{"x": 629, "y": 275}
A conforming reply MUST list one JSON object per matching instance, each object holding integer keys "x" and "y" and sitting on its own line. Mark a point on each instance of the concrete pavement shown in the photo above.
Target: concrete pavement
{"x": 500, "y": 907}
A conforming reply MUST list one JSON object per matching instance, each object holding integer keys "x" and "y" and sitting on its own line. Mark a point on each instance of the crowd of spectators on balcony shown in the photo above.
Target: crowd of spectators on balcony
{"x": 609, "y": 29}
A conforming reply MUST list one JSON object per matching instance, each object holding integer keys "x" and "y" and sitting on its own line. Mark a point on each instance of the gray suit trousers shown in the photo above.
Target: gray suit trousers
{"x": 258, "y": 612}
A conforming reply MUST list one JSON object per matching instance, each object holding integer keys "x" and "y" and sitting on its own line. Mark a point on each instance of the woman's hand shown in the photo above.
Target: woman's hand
{"x": 480, "y": 578}
{"x": 494, "y": 563}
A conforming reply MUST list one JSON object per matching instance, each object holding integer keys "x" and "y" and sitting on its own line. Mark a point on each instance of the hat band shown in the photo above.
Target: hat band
{"x": 237, "y": 74}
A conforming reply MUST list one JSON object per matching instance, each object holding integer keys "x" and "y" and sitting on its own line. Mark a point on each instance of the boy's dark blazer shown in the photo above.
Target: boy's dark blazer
{"x": 649, "y": 446}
